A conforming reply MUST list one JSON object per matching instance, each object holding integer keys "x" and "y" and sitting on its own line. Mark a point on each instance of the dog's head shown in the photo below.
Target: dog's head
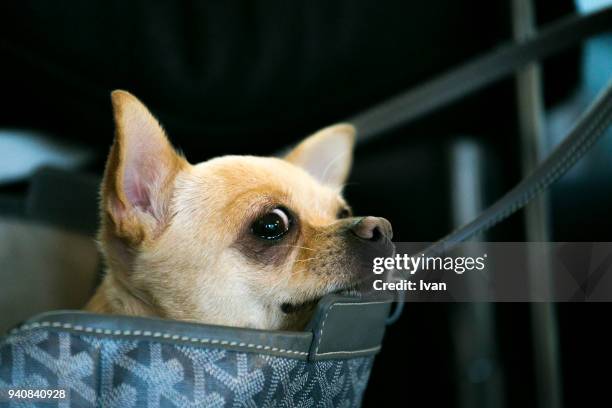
{"x": 236, "y": 240}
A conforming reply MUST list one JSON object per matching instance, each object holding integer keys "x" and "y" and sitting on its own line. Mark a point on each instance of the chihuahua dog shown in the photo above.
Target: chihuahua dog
{"x": 236, "y": 240}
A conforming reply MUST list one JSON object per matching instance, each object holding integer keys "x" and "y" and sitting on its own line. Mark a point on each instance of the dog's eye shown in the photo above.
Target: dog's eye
{"x": 343, "y": 213}
{"x": 273, "y": 225}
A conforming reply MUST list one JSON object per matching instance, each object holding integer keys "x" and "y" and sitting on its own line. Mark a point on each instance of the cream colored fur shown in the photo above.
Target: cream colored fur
{"x": 171, "y": 231}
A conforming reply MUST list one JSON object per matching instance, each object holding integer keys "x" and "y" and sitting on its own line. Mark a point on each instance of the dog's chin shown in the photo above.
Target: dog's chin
{"x": 351, "y": 291}
{"x": 290, "y": 307}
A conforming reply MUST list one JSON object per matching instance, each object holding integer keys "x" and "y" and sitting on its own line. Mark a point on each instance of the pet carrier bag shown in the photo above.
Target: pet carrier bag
{"x": 117, "y": 361}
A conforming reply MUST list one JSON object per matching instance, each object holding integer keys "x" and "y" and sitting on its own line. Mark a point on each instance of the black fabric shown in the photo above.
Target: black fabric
{"x": 238, "y": 76}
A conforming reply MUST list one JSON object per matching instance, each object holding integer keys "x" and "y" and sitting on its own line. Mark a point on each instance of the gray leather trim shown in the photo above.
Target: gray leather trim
{"x": 279, "y": 343}
{"x": 342, "y": 327}
{"x": 345, "y": 327}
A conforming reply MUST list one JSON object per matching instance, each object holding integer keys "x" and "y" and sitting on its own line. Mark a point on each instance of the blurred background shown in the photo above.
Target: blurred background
{"x": 255, "y": 77}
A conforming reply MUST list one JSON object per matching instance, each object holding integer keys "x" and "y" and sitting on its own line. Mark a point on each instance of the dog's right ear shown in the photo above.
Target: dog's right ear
{"x": 327, "y": 155}
{"x": 139, "y": 174}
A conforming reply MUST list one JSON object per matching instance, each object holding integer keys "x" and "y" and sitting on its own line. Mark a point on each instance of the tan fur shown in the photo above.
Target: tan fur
{"x": 188, "y": 261}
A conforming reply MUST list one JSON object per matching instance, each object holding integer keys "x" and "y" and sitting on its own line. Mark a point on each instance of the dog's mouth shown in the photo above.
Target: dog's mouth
{"x": 290, "y": 308}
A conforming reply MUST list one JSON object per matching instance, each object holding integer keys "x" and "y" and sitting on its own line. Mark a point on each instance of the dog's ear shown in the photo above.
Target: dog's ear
{"x": 327, "y": 155}
{"x": 140, "y": 171}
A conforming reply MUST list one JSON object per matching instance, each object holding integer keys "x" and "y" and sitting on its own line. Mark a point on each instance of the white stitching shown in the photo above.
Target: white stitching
{"x": 147, "y": 333}
{"x": 325, "y": 320}
{"x": 368, "y": 350}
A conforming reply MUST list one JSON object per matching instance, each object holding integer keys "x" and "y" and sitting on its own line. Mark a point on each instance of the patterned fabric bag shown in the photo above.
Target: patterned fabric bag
{"x": 88, "y": 360}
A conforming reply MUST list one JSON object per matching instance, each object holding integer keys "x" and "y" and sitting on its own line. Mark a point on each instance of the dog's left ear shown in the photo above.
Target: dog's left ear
{"x": 327, "y": 155}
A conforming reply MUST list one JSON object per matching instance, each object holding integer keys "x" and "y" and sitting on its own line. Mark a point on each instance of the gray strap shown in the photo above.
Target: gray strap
{"x": 477, "y": 74}
{"x": 589, "y": 128}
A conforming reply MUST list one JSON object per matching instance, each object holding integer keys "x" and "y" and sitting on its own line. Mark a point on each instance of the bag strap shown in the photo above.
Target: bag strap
{"x": 590, "y": 127}
{"x": 477, "y": 74}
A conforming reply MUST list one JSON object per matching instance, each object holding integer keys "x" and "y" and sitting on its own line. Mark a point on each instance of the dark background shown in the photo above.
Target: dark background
{"x": 255, "y": 77}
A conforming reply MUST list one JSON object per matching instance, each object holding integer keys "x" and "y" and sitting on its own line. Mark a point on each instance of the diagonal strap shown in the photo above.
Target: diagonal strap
{"x": 439, "y": 92}
{"x": 477, "y": 74}
{"x": 591, "y": 127}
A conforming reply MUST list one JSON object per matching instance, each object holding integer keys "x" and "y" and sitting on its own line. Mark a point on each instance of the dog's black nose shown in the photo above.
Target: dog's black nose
{"x": 372, "y": 229}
